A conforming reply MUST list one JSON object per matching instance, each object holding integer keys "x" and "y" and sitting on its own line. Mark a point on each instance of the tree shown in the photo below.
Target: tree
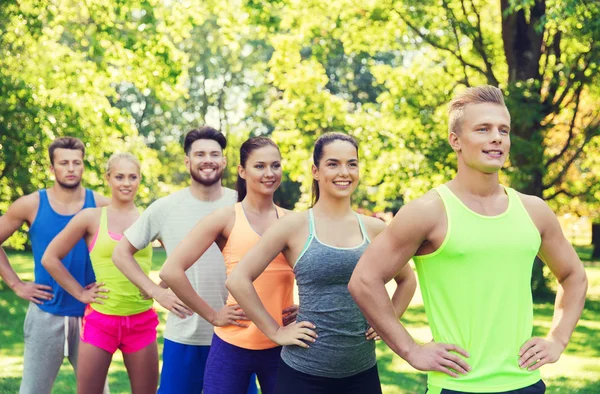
{"x": 543, "y": 53}
{"x": 60, "y": 65}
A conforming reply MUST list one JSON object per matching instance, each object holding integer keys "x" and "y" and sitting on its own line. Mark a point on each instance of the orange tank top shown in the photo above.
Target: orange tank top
{"x": 274, "y": 286}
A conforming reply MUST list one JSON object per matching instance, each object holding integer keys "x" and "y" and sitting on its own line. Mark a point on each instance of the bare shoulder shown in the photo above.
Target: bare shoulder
{"x": 224, "y": 215}
{"x": 101, "y": 200}
{"x": 420, "y": 217}
{"x": 429, "y": 206}
{"x": 293, "y": 220}
{"x": 89, "y": 213}
{"x": 25, "y": 208}
{"x": 27, "y": 202}
{"x": 373, "y": 225}
{"x": 538, "y": 210}
{"x": 285, "y": 211}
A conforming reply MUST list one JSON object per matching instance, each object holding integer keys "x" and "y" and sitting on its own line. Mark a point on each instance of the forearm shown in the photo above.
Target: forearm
{"x": 7, "y": 272}
{"x": 179, "y": 283}
{"x": 62, "y": 276}
{"x": 373, "y": 300}
{"x": 243, "y": 291}
{"x": 570, "y": 299}
{"x": 127, "y": 264}
{"x": 403, "y": 295}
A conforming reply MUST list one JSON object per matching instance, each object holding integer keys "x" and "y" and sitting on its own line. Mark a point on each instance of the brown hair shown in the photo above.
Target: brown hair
{"x": 65, "y": 143}
{"x": 474, "y": 95}
{"x": 320, "y": 144}
{"x": 203, "y": 133}
{"x": 249, "y": 146}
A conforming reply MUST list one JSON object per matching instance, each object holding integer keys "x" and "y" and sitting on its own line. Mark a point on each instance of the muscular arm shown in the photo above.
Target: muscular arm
{"x": 274, "y": 241}
{"x": 17, "y": 214}
{"x": 387, "y": 258}
{"x": 60, "y": 246}
{"x": 189, "y": 250}
{"x": 561, "y": 258}
{"x": 406, "y": 280}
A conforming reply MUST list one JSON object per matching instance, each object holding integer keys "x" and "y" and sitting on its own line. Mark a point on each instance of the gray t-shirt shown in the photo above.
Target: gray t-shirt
{"x": 170, "y": 219}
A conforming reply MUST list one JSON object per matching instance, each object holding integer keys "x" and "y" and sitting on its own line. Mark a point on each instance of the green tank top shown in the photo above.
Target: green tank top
{"x": 124, "y": 298}
{"x": 477, "y": 293}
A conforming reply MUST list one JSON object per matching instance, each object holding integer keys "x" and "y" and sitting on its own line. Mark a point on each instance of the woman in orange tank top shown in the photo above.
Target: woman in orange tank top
{"x": 239, "y": 348}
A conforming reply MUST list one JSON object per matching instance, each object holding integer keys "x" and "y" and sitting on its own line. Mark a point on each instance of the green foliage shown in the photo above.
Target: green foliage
{"x": 136, "y": 75}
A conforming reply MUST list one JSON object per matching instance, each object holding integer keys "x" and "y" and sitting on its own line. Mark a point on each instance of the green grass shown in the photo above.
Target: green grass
{"x": 578, "y": 370}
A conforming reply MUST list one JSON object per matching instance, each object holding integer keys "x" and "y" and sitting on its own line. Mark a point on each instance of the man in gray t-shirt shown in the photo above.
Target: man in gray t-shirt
{"x": 169, "y": 220}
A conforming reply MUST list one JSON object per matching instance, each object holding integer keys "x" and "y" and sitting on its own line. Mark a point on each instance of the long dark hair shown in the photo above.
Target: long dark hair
{"x": 320, "y": 144}
{"x": 249, "y": 146}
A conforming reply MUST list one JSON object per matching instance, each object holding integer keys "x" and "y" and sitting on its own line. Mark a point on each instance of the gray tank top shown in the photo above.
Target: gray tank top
{"x": 322, "y": 274}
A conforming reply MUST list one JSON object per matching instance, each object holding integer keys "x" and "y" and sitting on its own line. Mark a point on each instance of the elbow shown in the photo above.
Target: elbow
{"x": 46, "y": 261}
{"x": 231, "y": 283}
{"x": 167, "y": 273}
{"x": 411, "y": 283}
{"x": 357, "y": 285}
{"x": 164, "y": 276}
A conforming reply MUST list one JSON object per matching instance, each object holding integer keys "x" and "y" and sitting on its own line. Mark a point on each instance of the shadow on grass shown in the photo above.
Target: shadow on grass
{"x": 407, "y": 382}
{"x": 583, "y": 342}
{"x": 563, "y": 385}
{"x": 12, "y": 312}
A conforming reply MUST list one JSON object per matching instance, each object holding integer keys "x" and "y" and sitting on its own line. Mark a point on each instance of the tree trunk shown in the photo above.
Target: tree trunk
{"x": 522, "y": 36}
{"x": 596, "y": 241}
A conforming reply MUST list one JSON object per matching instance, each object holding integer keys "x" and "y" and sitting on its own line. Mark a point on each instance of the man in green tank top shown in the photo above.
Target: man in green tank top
{"x": 474, "y": 242}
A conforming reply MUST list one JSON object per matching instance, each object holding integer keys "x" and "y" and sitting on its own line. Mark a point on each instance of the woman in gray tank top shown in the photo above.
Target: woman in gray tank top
{"x": 330, "y": 349}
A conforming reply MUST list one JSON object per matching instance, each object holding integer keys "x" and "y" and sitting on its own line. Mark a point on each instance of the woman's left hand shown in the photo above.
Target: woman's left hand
{"x": 289, "y": 314}
{"x": 372, "y": 335}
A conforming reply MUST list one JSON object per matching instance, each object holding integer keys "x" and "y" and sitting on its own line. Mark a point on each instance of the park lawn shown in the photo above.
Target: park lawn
{"x": 578, "y": 370}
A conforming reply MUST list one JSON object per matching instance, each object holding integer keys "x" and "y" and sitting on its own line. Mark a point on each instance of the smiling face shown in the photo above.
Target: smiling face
{"x": 124, "y": 179}
{"x": 67, "y": 167}
{"x": 337, "y": 172}
{"x": 262, "y": 172}
{"x": 205, "y": 162}
{"x": 483, "y": 139}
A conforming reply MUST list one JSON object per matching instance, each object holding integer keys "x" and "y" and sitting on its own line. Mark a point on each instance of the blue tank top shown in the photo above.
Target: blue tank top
{"x": 46, "y": 225}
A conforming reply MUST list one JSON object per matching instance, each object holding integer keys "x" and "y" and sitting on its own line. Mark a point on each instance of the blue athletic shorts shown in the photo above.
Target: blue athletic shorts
{"x": 183, "y": 369}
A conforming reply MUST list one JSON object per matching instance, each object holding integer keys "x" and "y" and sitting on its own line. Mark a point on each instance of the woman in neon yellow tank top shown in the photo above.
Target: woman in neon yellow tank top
{"x": 117, "y": 315}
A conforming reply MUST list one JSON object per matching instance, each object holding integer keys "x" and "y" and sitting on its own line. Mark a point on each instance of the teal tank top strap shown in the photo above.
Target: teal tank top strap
{"x": 311, "y": 234}
{"x": 362, "y": 228}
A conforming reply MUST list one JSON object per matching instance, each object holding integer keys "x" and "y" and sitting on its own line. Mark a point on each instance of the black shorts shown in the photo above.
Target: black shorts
{"x": 290, "y": 381}
{"x": 537, "y": 388}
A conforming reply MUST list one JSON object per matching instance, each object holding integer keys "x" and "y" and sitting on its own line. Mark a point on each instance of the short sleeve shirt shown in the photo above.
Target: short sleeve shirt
{"x": 170, "y": 219}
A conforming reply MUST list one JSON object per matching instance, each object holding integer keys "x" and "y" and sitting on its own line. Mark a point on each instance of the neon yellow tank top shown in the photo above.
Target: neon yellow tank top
{"x": 477, "y": 293}
{"x": 124, "y": 298}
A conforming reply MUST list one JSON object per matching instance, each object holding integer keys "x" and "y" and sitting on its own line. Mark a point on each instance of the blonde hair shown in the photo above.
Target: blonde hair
{"x": 118, "y": 156}
{"x": 474, "y": 95}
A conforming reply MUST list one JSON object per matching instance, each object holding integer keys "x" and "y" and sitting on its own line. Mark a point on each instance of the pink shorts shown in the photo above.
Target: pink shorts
{"x": 111, "y": 332}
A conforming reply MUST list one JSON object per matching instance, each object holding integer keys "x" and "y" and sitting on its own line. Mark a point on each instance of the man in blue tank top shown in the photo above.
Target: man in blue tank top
{"x": 52, "y": 322}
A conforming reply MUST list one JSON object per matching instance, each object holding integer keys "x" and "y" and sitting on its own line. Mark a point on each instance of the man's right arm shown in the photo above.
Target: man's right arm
{"x": 387, "y": 255}
{"x": 145, "y": 230}
{"x": 17, "y": 214}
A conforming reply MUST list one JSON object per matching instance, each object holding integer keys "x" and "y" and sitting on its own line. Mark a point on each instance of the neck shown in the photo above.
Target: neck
{"x": 333, "y": 207}
{"x": 206, "y": 193}
{"x": 475, "y": 182}
{"x": 258, "y": 203}
{"x": 66, "y": 195}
